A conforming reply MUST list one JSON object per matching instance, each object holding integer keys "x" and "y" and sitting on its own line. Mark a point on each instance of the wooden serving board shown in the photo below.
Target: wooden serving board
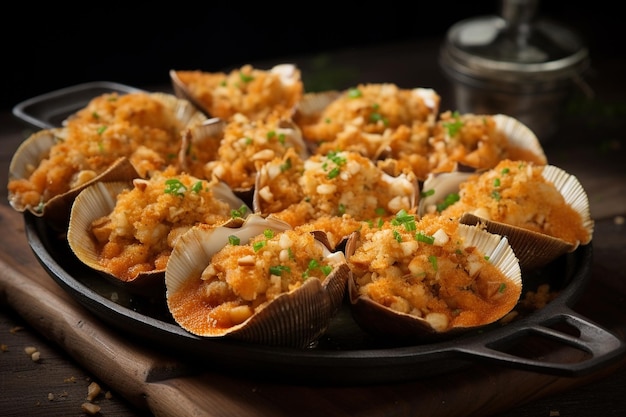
{"x": 167, "y": 386}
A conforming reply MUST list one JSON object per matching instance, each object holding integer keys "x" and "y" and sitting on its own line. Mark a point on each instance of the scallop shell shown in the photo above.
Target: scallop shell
{"x": 56, "y": 209}
{"x": 206, "y": 134}
{"x": 523, "y": 143}
{"x": 312, "y": 107}
{"x": 183, "y": 109}
{"x": 534, "y": 249}
{"x": 438, "y": 185}
{"x": 262, "y": 185}
{"x": 313, "y": 104}
{"x": 182, "y": 91}
{"x": 288, "y": 73}
{"x": 380, "y": 320}
{"x": 295, "y": 319}
{"x": 212, "y": 129}
{"x": 37, "y": 147}
{"x": 99, "y": 200}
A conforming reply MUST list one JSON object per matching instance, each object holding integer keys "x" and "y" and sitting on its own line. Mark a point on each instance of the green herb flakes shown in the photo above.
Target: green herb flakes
{"x": 422, "y": 237}
{"x": 279, "y": 269}
{"x": 175, "y": 187}
{"x": 454, "y": 127}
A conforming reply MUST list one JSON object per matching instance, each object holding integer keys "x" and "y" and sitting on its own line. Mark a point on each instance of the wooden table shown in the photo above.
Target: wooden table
{"x": 77, "y": 348}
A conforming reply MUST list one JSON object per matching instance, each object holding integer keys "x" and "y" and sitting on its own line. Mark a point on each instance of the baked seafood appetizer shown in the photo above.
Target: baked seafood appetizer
{"x": 429, "y": 279}
{"x": 253, "y": 92}
{"x": 126, "y": 230}
{"x": 262, "y": 282}
{"x": 478, "y": 141}
{"x": 481, "y": 141}
{"x": 365, "y": 118}
{"x": 115, "y": 137}
{"x": 246, "y": 145}
{"x": 543, "y": 210}
{"x": 334, "y": 192}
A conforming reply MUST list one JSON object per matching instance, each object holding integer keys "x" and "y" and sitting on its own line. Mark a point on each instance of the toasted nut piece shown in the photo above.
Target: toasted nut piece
{"x": 93, "y": 390}
{"x": 89, "y": 408}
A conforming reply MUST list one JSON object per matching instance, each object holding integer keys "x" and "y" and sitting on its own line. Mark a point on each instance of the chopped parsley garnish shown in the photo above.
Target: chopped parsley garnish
{"x": 376, "y": 116}
{"x": 285, "y": 165}
{"x": 354, "y": 93}
{"x": 175, "y": 187}
{"x": 279, "y": 269}
{"x": 245, "y": 77}
{"x": 314, "y": 264}
{"x": 197, "y": 187}
{"x": 405, "y": 219}
{"x": 448, "y": 201}
{"x": 257, "y": 246}
{"x": 433, "y": 261}
{"x": 455, "y": 126}
{"x": 240, "y": 212}
{"x": 496, "y": 195}
{"x": 422, "y": 237}
{"x": 338, "y": 160}
{"x": 333, "y": 173}
{"x": 260, "y": 244}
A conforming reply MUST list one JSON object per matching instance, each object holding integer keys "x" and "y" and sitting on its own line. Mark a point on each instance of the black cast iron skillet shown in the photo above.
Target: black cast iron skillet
{"x": 553, "y": 340}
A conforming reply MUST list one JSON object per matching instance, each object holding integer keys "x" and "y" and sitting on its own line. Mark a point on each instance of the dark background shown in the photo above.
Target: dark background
{"x": 49, "y": 46}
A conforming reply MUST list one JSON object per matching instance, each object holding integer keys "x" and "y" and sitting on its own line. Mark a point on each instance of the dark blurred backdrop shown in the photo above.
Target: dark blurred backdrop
{"x": 50, "y": 46}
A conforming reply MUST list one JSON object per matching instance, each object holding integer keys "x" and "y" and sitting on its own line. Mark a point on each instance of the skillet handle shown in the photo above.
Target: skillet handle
{"x": 593, "y": 345}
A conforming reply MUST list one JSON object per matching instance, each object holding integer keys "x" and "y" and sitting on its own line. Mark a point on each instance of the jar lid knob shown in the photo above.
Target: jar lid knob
{"x": 518, "y": 16}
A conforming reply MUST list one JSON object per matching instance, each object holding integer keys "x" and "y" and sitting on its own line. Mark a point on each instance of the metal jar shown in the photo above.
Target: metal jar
{"x": 523, "y": 68}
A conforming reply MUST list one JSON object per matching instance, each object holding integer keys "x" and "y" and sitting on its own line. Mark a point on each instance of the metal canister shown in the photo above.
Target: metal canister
{"x": 515, "y": 64}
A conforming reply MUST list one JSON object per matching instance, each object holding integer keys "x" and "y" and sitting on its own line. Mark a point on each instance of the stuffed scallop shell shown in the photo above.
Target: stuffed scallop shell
{"x": 41, "y": 191}
{"x": 366, "y": 118}
{"x": 334, "y": 193}
{"x": 126, "y": 230}
{"x": 430, "y": 279}
{"x": 253, "y": 92}
{"x": 481, "y": 141}
{"x": 339, "y": 183}
{"x": 235, "y": 150}
{"x": 115, "y": 137}
{"x": 543, "y": 210}
{"x": 262, "y": 282}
